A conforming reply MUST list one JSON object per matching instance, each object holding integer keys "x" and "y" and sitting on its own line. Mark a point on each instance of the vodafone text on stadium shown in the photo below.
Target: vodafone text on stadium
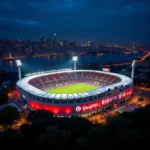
{"x": 111, "y": 88}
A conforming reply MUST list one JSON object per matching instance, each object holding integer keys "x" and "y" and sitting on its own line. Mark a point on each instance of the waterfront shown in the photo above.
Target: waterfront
{"x": 60, "y": 62}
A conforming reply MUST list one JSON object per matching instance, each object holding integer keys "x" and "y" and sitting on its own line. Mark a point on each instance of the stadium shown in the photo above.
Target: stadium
{"x": 74, "y": 92}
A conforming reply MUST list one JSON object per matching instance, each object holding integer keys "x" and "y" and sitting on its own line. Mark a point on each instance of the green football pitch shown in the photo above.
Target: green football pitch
{"x": 74, "y": 88}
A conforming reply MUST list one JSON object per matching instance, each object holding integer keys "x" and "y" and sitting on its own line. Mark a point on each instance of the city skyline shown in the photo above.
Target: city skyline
{"x": 121, "y": 22}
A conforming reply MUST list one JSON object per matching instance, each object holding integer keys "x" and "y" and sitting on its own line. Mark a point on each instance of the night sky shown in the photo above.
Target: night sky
{"x": 101, "y": 21}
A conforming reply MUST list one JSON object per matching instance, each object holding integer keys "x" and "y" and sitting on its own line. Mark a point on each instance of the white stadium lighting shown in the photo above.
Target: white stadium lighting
{"x": 18, "y": 63}
{"x": 133, "y": 63}
{"x": 133, "y": 67}
{"x": 75, "y": 58}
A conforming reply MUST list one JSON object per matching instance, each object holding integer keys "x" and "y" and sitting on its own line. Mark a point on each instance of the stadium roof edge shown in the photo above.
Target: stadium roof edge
{"x": 24, "y": 84}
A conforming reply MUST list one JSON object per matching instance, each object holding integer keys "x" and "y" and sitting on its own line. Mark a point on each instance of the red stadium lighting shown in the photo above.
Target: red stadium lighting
{"x": 115, "y": 105}
{"x": 68, "y": 110}
{"x": 55, "y": 110}
{"x": 82, "y": 103}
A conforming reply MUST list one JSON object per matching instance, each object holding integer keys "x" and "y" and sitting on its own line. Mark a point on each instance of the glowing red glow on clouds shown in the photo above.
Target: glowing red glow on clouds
{"x": 61, "y": 110}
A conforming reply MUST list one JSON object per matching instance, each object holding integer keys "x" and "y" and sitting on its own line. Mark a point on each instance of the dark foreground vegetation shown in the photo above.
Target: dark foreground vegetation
{"x": 127, "y": 131}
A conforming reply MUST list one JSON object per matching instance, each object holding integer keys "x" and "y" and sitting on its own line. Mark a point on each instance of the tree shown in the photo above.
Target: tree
{"x": 117, "y": 113}
{"x": 11, "y": 138}
{"x": 25, "y": 130}
{"x": 54, "y": 138}
{"x": 138, "y": 117}
{"x": 3, "y": 98}
{"x": 8, "y": 116}
{"x": 97, "y": 136}
{"x": 39, "y": 114}
{"x": 12, "y": 86}
{"x": 118, "y": 124}
{"x": 136, "y": 138}
{"x": 82, "y": 144}
{"x": 79, "y": 127}
{"x": 27, "y": 136}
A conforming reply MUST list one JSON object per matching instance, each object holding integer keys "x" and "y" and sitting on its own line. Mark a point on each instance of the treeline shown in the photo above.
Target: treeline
{"x": 129, "y": 130}
{"x": 7, "y": 84}
{"x": 9, "y": 76}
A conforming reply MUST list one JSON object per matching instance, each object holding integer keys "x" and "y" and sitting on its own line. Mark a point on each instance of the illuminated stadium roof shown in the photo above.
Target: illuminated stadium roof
{"x": 24, "y": 84}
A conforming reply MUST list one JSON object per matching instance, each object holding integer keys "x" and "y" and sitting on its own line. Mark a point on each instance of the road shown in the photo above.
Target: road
{"x": 144, "y": 88}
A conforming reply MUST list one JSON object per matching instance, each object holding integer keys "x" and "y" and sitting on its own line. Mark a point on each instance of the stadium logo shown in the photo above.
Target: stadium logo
{"x": 90, "y": 107}
{"x": 78, "y": 108}
{"x": 120, "y": 95}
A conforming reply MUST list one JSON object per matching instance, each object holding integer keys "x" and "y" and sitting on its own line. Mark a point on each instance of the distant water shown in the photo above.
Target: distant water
{"x": 49, "y": 63}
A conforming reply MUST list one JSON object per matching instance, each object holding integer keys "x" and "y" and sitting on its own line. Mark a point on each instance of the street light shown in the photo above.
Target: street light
{"x": 133, "y": 67}
{"x": 18, "y": 63}
{"x": 75, "y": 58}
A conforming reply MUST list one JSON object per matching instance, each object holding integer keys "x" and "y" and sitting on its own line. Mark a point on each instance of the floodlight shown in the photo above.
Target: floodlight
{"x": 133, "y": 63}
{"x": 75, "y": 58}
{"x": 133, "y": 67}
{"x": 18, "y": 62}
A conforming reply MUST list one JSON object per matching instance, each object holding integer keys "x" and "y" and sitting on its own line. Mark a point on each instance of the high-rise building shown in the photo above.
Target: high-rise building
{"x": 42, "y": 39}
{"x": 61, "y": 41}
{"x": 53, "y": 43}
{"x": 72, "y": 44}
{"x": 61, "y": 38}
{"x": 10, "y": 56}
{"x": 92, "y": 44}
{"x": 55, "y": 36}
{"x": 49, "y": 41}
{"x": 89, "y": 43}
{"x": 133, "y": 45}
{"x": 65, "y": 42}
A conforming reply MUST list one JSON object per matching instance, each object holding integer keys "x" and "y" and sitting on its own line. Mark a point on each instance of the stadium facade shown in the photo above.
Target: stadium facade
{"x": 111, "y": 89}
